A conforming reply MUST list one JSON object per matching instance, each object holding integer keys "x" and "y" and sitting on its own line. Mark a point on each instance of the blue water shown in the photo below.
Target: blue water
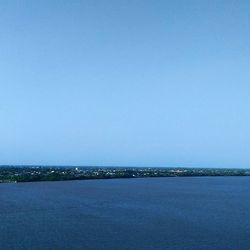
{"x": 153, "y": 213}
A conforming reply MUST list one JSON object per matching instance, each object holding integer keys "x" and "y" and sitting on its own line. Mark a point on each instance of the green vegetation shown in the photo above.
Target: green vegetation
{"x": 36, "y": 173}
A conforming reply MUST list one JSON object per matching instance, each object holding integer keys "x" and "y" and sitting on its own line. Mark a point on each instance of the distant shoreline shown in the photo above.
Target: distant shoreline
{"x": 16, "y": 174}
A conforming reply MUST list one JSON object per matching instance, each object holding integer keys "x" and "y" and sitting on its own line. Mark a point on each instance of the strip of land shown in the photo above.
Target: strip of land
{"x": 40, "y": 173}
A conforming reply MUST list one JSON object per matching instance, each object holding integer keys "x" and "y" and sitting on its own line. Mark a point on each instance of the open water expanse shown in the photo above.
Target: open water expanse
{"x": 142, "y": 214}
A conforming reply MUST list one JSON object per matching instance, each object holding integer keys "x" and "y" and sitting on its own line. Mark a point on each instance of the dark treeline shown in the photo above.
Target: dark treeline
{"x": 28, "y": 174}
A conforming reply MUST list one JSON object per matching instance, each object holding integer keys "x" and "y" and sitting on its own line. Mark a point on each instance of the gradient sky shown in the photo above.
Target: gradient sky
{"x": 127, "y": 82}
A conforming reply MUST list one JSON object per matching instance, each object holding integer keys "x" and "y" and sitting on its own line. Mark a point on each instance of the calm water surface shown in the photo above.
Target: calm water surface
{"x": 143, "y": 214}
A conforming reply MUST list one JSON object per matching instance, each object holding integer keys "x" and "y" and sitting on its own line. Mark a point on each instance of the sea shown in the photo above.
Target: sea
{"x": 174, "y": 213}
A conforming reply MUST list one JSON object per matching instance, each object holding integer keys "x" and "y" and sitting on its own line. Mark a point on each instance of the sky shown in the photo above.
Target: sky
{"x": 125, "y": 83}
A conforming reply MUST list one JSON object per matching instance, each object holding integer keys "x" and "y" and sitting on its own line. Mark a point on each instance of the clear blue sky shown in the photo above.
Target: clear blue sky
{"x": 127, "y": 82}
